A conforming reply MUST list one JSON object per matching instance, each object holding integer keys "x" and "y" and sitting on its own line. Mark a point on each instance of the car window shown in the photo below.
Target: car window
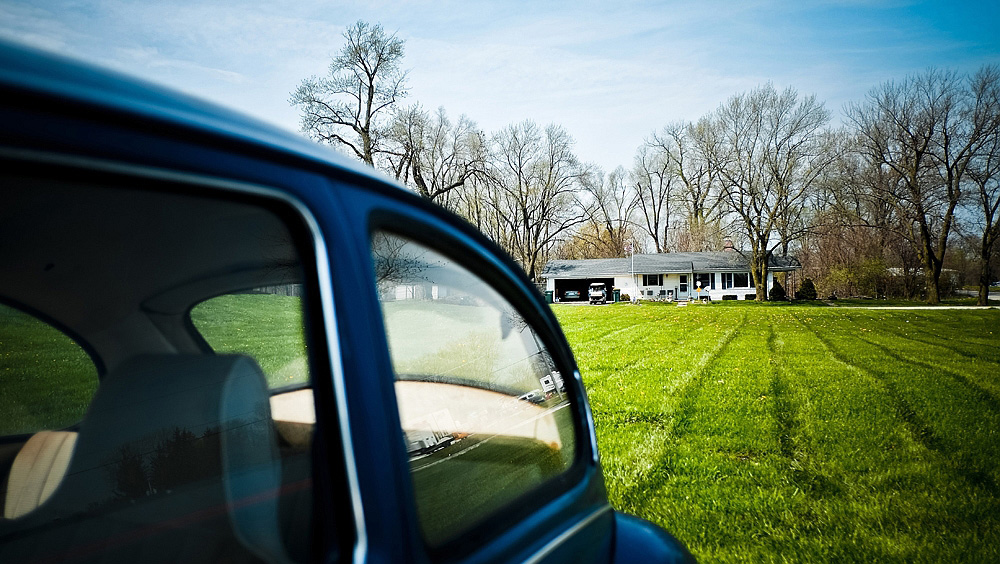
{"x": 483, "y": 407}
{"x": 265, "y": 323}
{"x": 46, "y": 378}
{"x": 181, "y": 454}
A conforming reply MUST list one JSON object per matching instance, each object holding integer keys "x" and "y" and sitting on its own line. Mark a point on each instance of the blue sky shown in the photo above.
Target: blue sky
{"x": 609, "y": 72}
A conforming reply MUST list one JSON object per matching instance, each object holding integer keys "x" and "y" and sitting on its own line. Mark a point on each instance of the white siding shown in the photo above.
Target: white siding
{"x": 626, "y": 284}
{"x": 672, "y": 283}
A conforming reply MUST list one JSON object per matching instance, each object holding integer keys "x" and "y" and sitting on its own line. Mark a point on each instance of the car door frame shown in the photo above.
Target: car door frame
{"x": 549, "y": 531}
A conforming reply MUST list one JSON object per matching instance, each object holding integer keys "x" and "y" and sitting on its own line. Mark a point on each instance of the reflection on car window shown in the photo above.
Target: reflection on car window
{"x": 180, "y": 455}
{"x": 483, "y": 408}
{"x": 265, "y": 323}
{"x": 46, "y": 379}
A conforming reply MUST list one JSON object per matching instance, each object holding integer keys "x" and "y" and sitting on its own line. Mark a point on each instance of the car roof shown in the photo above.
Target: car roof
{"x": 66, "y": 266}
{"x": 38, "y": 72}
{"x": 35, "y": 84}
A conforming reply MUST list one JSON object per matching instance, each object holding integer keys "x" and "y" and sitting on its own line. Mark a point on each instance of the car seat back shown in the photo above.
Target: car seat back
{"x": 37, "y": 470}
{"x": 176, "y": 460}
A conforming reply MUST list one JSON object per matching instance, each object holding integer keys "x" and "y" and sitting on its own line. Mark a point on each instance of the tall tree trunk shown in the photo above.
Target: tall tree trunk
{"x": 758, "y": 270}
{"x": 933, "y": 294}
{"x": 932, "y": 278}
{"x": 985, "y": 252}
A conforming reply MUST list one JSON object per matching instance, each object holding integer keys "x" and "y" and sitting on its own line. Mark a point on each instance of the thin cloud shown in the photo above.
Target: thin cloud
{"x": 609, "y": 73}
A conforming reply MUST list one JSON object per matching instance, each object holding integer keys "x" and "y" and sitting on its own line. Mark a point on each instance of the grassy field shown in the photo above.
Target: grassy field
{"x": 754, "y": 432}
{"x": 47, "y": 380}
{"x": 800, "y": 434}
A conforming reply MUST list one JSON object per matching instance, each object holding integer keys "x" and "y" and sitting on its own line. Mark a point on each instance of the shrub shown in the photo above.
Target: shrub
{"x": 807, "y": 290}
{"x": 729, "y": 296}
{"x": 625, "y": 297}
{"x": 777, "y": 293}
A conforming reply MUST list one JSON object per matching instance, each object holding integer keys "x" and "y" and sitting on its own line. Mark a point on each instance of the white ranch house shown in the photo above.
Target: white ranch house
{"x": 664, "y": 276}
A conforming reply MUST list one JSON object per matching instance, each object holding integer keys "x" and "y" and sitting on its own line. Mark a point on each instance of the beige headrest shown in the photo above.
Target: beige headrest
{"x": 38, "y": 469}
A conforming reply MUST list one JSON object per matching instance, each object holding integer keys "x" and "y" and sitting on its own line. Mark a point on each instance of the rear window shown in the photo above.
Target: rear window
{"x": 46, "y": 378}
{"x": 265, "y": 323}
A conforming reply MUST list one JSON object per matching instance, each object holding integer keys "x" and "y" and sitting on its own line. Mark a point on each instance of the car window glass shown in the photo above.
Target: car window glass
{"x": 482, "y": 405}
{"x": 46, "y": 378}
{"x": 182, "y": 454}
{"x": 265, "y": 323}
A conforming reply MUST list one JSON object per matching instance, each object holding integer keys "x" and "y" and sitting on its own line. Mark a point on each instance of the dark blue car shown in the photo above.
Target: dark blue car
{"x": 222, "y": 343}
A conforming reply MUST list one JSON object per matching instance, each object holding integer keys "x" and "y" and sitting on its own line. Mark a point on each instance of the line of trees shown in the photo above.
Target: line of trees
{"x": 880, "y": 206}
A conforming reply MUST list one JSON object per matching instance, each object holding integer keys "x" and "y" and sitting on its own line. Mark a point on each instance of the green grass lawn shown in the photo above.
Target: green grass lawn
{"x": 856, "y": 302}
{"x": 754, "y": 433}
{"x": 800, "y": 434}
{"x": 47, "y": 380}
{"x": 267, "y": 327}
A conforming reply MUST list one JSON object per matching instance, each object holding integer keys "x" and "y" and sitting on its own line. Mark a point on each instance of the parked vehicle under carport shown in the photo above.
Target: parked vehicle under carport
{"x": 598, "y": 293}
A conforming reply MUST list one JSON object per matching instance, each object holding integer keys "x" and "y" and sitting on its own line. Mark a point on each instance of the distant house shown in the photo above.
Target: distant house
{"x": 667, "y": 276}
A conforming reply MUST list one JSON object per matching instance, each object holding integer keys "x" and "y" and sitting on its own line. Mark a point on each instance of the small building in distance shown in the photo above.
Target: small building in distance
{"x": 664, "y": 276}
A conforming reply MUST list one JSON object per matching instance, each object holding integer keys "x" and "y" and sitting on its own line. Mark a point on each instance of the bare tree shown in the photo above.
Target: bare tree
{"x": 927, "y": 130}
{"x": 767, "y": 148}
{"x": 984, "y": 172}
{"x": 535, "y": 177}
{"x": 609, "y": 207}
{"x": 434, "y": 155}
{"x": 346, "y": 108}
{"x": 685, "y": 147}
{"x": 655, "y": 183}
{"x": 404, "y": 136}
{"x": 851, "y": 242}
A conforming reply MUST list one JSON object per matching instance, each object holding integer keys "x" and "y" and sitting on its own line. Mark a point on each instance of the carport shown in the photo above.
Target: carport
{"x": 580, "y": 285}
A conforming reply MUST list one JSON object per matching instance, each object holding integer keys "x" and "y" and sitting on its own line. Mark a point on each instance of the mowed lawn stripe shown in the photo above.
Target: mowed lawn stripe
{"x": 728, "y": 470}
{"x": 635, "y": 408}
{"x": 950, "y": 501}
{"x": 932, "y": 332}
{"x": 972, "y": 332}
{"x": 874, "y": 488}
{"x": 819, "y": 444}
{"x": 678, "y": 401}
{"x": 962, "y": 418}
{"x": 577, "y": 321}
{"x": 599, "y": 344}
{"x": 975, "y": 371}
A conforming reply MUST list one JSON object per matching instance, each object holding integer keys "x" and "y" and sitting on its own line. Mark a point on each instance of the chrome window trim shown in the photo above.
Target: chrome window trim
{"x": 543, "y": 553}
{"x": 322, "y": 269}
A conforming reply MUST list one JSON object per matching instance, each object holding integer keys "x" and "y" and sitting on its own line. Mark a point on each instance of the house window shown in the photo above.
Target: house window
{"x": 684, "y": 283}
{"x": 706, "y": 279}
{"x": 652, "y": 279}
{"x": 735, "y": 280}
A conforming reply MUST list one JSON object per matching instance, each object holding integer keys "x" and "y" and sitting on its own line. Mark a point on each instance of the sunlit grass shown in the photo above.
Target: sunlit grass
{"x": 267, "y": 327}
{"x": 800, "y": 434}
{"x": 46, "y": 380}
{"x": 754, "y": 433}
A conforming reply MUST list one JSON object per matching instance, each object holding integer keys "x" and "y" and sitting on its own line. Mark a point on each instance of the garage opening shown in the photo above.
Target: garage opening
{"x": 575, "y": 289}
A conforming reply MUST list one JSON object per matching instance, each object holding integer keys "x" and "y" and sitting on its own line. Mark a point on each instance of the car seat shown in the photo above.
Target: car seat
{"x": 176, "y": 460}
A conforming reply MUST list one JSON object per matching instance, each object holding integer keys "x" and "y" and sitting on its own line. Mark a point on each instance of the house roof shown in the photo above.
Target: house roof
{"x": 662, "y": 263}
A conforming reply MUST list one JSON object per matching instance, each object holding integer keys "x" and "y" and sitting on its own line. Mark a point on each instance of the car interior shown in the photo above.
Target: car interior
{"x": 185, "y": 451}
